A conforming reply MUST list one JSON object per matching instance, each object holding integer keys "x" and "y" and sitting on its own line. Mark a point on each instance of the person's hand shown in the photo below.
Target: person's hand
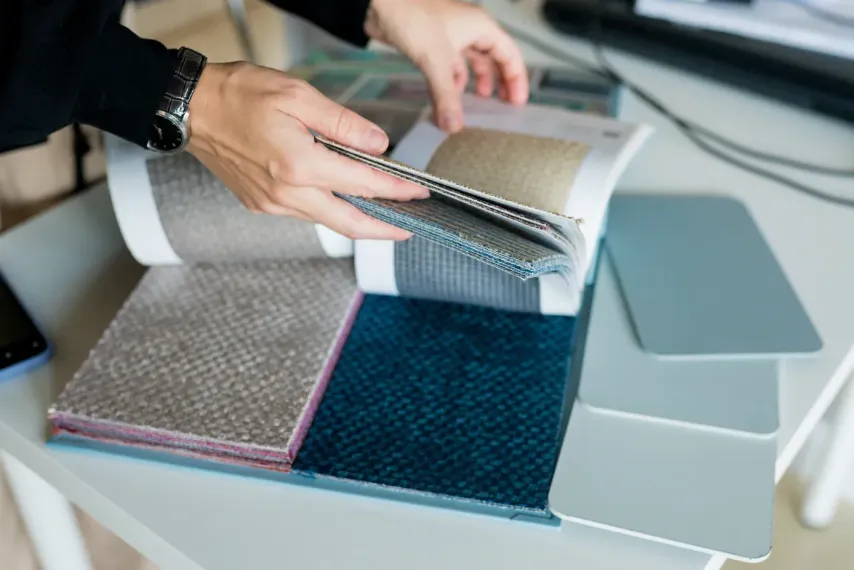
{"x": 250, "y": 126}
{"x": 443, "y": 38}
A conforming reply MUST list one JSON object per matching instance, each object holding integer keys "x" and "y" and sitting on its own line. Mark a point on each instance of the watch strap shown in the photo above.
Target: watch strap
{"x": 176, "y": 100}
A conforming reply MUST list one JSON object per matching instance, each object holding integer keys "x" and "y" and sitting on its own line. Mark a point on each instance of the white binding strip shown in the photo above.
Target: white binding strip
{"x": 333, "y": 243}
{"x": 375, "y": 267}
{"x": 133, "y": 203}
{"x": 556, "y": 297}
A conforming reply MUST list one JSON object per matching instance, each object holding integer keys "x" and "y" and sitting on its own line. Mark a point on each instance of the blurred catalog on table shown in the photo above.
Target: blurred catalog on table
{"x": 825, "y": 26}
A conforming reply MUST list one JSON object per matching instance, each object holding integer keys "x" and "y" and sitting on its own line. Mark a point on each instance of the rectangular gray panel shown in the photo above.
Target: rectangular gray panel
{"x": 618, "y": 375}
{"x": 701, "y": 489}
{"x": 644, "y": 452}
{"x": 700, "y": 280}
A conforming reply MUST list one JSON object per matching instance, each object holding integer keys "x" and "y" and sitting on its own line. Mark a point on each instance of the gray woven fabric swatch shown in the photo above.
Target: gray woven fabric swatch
{"x": 205, "y": 222}
{"x": 455, "y": 228}
{"x": 227, "y": 359}
{"x": 426, "y": 270}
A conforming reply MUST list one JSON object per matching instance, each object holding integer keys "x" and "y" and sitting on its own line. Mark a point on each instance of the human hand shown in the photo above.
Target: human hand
{"x": 443, "y": 38}
{"x": 250, "y": 126}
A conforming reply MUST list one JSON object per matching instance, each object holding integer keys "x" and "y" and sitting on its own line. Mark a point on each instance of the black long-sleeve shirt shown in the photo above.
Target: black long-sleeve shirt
{"x": 71, "y": 61}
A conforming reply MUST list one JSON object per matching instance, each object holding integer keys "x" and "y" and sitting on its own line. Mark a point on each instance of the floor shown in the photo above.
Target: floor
{"x": 203, "y": 26}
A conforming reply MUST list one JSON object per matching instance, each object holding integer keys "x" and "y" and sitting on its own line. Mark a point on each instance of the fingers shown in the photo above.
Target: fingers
{"x": 332, "y": 171}
{"x": 484, "y": 72}
{"x": 439, "y": 68}
{"x": 461, "y": 78}
{"x": 344, "y": 218}
{"x": 311, "y": 108}
{"x": 508, "y": 59}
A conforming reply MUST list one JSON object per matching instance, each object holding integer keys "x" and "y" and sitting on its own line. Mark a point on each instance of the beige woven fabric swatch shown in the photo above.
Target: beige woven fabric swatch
{"x": 540, "y": 176}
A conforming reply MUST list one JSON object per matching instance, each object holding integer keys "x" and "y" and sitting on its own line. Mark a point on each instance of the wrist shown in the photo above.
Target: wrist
{"x": 202, "y": 108}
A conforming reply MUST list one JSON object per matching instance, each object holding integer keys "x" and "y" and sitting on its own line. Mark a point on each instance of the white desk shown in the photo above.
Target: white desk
{"x": 71, "y": 269}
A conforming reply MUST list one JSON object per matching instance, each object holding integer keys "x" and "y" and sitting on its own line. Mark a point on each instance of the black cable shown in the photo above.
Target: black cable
{"x": 606, "y": 71}
{"x": 691, "y": 130}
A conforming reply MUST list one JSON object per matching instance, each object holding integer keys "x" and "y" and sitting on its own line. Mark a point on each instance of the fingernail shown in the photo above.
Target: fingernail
{"x": 451, "y": 122}
{"x": 376, "y": 139}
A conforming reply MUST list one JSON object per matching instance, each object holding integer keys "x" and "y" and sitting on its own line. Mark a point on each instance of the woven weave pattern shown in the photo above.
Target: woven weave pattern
{"x": 427, "y": 270}
{"x": 228, "y": 354}
{"x": 445, "y": 399}
{"x": 205, "y": 222}
{"x": 530, "y": 170}
{"x": 455, "y": 228}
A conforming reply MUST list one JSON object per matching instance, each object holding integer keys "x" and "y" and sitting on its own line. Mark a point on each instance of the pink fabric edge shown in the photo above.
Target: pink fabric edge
{"x": 325, "y": 376}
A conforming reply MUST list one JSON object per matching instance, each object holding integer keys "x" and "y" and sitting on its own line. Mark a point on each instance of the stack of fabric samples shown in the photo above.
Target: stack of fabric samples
{"x": 250, "y": 347}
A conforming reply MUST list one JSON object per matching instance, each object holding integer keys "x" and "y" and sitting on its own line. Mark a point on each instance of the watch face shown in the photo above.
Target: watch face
{"x": 165, "y": 135}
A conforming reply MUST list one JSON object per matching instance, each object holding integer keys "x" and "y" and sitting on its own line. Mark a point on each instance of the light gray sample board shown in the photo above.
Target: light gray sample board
{"x": 618, "y": 376}
{"x": 700, "y": 280}
{"x": 698, "y": 473}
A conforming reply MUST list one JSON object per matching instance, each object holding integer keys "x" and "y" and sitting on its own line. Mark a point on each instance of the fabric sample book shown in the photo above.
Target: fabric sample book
{"x": 521, "y": 190}
{"x": 431, "y": 370}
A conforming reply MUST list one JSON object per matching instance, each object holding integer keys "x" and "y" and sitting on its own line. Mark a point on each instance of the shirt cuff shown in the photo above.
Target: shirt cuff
{"x": 124, "y": 83}
{"x": 348, "y": 22}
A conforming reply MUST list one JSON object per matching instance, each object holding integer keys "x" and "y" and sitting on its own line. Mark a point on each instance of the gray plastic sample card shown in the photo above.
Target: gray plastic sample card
{"x": 700, "y": 489}
{"x": 619, "y": 376}
{"x": 681, "y": 452}
{"x": 700, "y": 280}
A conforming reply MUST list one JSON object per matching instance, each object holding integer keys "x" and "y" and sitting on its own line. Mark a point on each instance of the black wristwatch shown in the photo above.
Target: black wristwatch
{"x": 170, "y": 130}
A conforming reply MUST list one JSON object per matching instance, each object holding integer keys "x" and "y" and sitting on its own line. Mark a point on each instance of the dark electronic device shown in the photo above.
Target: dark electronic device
{"x": 22, "y": 345}
{"x": 820, "y": 83}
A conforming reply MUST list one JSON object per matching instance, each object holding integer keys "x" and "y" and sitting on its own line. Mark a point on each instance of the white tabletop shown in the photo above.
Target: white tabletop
{"x": 71, "y": 269}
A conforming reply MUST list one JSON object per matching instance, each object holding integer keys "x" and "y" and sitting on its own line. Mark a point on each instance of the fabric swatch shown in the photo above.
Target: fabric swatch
{"x": 445, "y": 399}
{"x": 426, "y": 270}
{"x": 228, "y": 361}
{"x": 541, "y": 173}
{"x": 455, "y": 228}
{"x": 205, "y": 222}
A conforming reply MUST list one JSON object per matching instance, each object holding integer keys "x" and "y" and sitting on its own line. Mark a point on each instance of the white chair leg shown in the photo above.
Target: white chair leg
{"x": 823, "y": 495}
{"x": 48, "y": 517}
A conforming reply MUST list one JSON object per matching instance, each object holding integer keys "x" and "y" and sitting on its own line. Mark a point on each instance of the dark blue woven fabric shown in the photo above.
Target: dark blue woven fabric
{"x": 448, "y": 399}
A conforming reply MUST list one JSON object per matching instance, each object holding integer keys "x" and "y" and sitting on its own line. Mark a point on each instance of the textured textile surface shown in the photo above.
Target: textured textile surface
{"x": 227, "y": 359}
{"x": 205, "y": 222}
{"x": 453, "y": 227}
{"x": 445, "y": 399}
{"x": 426, "y": 270}
{"x": 530, "y": 170}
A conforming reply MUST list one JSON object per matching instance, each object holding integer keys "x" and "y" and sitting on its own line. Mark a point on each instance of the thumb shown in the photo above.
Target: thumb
{"x": 441, "y": 71}
{"x": 338, "y": 123}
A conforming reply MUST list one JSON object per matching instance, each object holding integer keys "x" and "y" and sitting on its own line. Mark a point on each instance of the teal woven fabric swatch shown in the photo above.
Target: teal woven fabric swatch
{"x": 445, "y": 399}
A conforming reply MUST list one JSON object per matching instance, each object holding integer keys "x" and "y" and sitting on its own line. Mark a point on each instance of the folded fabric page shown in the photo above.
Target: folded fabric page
{"x": 228, "y": 361}
{"x": 171, "y": 210}
{"x": 423, "y": 269}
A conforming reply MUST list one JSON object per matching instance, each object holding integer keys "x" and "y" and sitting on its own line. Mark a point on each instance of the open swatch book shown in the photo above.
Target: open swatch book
{"x": 520, "y": 189}
{"x": 432, "y": 370}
